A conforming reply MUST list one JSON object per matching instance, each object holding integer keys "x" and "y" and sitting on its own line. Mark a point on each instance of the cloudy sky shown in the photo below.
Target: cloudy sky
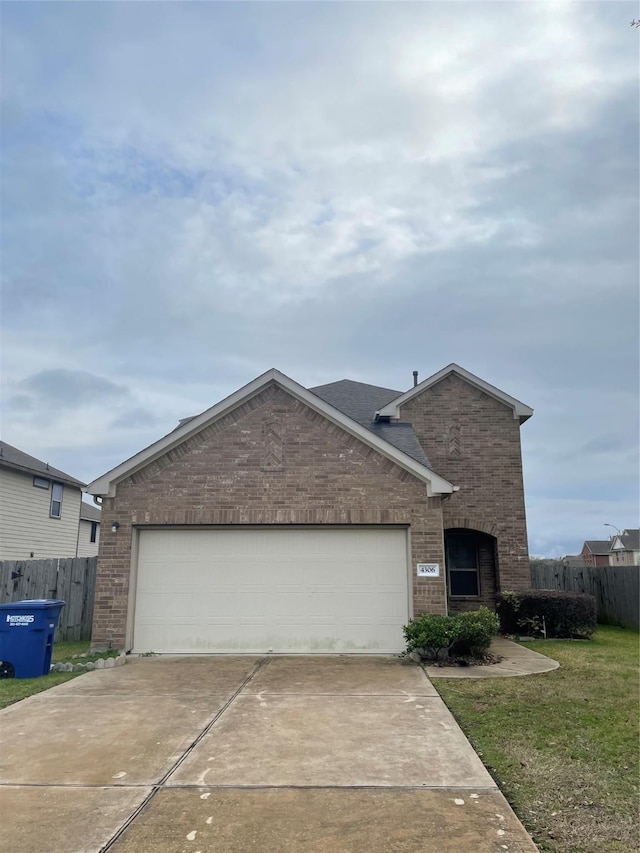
{"x": 196, "y": 192}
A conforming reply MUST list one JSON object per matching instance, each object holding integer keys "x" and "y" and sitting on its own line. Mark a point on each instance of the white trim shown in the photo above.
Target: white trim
{"x": 133, "y": 588}
{"x": 106, "y": 484}
{"x": 409, "y": 574}
{"x": 616, "y": 544}
{"x": 521, "y": 412}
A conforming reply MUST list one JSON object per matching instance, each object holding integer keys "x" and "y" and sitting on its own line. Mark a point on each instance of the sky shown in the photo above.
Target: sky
{"x": 196, "y": 192}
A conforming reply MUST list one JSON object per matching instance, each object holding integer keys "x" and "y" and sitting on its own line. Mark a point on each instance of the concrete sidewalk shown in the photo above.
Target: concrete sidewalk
{"x": 322, "y": 754}
{"x": 516, "y": 660}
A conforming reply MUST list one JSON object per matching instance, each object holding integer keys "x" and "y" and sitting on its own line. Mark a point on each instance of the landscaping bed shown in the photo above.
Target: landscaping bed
{"x": 563, "y": 746}
{"x": 481, "y": 659}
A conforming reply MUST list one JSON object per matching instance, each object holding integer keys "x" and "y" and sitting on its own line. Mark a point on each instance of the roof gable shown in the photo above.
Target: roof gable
{"x": 17, "y": 460}
{"x": 106, "y": 484}
{"x": 628, "y": 540}
{"x": 521, "y": 412}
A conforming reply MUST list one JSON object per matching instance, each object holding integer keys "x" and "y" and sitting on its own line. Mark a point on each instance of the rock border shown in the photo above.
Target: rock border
{"x": 101, "y": 663}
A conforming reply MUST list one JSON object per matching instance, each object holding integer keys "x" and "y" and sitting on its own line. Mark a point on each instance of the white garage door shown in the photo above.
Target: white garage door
{"x": 281, "y": 590}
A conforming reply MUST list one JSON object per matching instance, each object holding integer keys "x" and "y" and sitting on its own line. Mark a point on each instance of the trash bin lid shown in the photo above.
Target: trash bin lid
{"x": 32, "y": 604}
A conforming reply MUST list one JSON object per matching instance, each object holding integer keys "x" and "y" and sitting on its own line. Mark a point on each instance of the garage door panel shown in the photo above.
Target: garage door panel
{"x": 256, "y": 590}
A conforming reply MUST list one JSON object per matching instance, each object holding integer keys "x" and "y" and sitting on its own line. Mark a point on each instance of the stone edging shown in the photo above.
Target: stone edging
{"x": 101, "y": 663}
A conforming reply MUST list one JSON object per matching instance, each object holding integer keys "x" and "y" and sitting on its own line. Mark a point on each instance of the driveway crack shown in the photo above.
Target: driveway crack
{"x": 205, "y": 731}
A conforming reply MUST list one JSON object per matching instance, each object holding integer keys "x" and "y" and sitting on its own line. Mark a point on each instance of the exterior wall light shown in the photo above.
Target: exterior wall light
{"x": 115, "y": 526}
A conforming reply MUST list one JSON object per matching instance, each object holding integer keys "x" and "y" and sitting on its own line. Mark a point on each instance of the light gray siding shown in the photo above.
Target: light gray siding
{"x": 26, "y": 527}
{"x": 87, "y": 548}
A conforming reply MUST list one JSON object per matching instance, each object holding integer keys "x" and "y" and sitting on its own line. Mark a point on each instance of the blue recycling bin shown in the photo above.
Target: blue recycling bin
{"x": 26, "y": 636}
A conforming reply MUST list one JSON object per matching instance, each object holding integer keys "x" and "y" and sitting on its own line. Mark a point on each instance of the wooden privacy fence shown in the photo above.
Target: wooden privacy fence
{"x": 616, "y": 589}
{"x": 71, "y": 579}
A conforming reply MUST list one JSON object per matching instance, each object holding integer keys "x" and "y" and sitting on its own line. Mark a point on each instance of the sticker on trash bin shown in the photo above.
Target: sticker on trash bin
{"x": 16, "y": 621}
{"x": 428, "y": 570}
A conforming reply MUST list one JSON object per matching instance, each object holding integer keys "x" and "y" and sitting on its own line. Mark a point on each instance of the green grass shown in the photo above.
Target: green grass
{"x": 65, "y": 651}
{"x": 563, "y": 746}
{"x": 14, "y": 689}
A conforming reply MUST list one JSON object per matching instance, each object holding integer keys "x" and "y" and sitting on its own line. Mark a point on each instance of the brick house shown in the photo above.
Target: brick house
{"x": 322, "y": 519}
{"x": 595, "y": 552}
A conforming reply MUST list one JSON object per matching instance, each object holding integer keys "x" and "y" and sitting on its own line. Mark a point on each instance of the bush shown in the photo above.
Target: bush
{"x": 465, "y": 634}
{"x": 549, "y": 612}
{"x": 476, "y": 629}
{"x": 433, "y": 634}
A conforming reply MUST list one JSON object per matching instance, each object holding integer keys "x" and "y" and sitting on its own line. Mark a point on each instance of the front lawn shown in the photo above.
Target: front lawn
{"x": 563, "y": 746}
{"x": 14, "y": 689}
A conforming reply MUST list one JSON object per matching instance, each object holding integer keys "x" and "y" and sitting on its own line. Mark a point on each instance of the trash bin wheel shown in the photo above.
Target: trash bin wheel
{"x": 7, "y": 669}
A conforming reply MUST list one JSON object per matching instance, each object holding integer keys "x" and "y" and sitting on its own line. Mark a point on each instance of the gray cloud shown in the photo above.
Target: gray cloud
{"x": 71, "y": 388}
{"x": 21, "y": 403}
{"x": 135, "y": 418}
{"x": 199, "y": 192}
{"x": 607, "y": 444}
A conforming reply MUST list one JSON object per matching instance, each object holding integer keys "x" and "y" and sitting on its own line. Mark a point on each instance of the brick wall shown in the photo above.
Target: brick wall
{"x": 591, "y": 559}
{"x": 270, "y": 461}
{"x": 474, "y": 442}
{"x": 587, "y": 557}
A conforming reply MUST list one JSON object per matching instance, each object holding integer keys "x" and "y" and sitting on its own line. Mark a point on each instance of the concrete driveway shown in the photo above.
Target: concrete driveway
{"x": 279, "y": 754}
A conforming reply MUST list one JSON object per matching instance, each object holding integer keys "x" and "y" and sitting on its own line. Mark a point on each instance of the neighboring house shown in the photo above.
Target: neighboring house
{"x": 573, "y": 561}
{"x": 39, "y": 508}
{"x": 289, "y": 519}
{"x": 89, "y": 530}
{"x": 625, "y": 548}
{"x": 595, "y": 552}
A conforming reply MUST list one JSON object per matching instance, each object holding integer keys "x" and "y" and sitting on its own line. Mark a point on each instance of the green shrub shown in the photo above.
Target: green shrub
{"x": 549, "y": 612}
{"x": 476, "y": 629}
{"x": 464, "y": 634}
{"x": 433, "y": 634}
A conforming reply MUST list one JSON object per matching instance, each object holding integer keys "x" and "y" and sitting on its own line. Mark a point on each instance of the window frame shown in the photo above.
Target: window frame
{"x": 475, "y": 570}
{"x": 55, "y": 500}
{"x": 44, "y": 483}
{"x": 93, "y": 535}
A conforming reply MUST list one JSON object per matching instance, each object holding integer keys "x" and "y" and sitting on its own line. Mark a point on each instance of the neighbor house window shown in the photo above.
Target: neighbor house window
{"x": 94, "y": 530}
{"x": 462, "y": 563}
{"x": 56, "y": 500}
{"x": 41, "y": 482}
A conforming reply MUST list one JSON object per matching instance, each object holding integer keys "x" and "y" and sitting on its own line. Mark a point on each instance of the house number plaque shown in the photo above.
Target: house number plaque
{"x": 428, "y": 570}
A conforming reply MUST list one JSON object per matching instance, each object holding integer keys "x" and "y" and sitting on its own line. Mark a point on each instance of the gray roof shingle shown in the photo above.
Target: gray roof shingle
{"x": 360, "y": 402}
{"x": 90, "y": 512}
{"x": 11, "y": 457}
{"x": 631, "y": 539}
{"x": 598, "y": 547}
{"x": 356, "y": 399}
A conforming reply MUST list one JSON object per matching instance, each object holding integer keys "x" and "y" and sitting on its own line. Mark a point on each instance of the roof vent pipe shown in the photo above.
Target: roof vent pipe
{"x": 415, "y": 378}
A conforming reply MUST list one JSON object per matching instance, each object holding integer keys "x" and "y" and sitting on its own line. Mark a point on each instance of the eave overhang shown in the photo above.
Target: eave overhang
{"x": 105, "y": 486}
{"x": 53, "y": 475}
{"x": 521, "y": 412}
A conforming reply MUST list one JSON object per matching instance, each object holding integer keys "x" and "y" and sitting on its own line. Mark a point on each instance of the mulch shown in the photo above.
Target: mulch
{"x": 487, "y": 659}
